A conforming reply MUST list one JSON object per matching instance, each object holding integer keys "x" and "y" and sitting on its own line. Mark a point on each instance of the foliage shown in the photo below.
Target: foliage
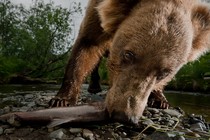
{"x": 192, "y": 76}
{"x": 35, "y": 42}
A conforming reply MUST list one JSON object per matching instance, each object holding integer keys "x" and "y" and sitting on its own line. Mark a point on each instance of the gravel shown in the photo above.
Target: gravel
{"x": 155, "y": 124}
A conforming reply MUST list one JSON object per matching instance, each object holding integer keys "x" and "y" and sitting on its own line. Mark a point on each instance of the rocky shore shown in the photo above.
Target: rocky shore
{"x": 156, "y": 124}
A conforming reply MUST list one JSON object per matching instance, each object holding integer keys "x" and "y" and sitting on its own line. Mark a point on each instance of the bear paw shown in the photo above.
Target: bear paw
{"x": 61, "y": 102}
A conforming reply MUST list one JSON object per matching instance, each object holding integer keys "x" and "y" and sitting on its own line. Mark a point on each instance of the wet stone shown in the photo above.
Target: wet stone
{"x": 126, "y": 139}
{"x": 75, "y": 130}
{"x": 153, "y": 110}
{"x": 1, "y": 130}
{"x": 1, "y": 111}
{"x": 9, "y": 130}
{"x": 148, "y": 122}
{"x": 179, "y": 138}
{"x": 7, "y": 109}
{"x": 29, "y": 96}
{"x": 78, "y": 138}
{"x": 198, "y": 127}
{"x": 57, "y": 134}
{"x": 158, "y": 136}
{"x": 87, "y": 133}
{"x": 172, "y": 113}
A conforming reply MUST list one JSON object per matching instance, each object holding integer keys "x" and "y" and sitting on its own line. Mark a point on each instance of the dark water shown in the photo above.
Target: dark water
{"x": 191, "y": 103}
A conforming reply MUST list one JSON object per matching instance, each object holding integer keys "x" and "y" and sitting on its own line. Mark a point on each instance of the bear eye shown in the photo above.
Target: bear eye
{"x": 128, "y": 56}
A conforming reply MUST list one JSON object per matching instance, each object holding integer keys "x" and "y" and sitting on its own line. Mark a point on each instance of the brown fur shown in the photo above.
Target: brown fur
{"x": 148, "y": 41}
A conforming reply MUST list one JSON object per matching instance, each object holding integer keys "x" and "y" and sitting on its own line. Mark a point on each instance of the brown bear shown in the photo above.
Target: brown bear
{"x": 148, "y": 42}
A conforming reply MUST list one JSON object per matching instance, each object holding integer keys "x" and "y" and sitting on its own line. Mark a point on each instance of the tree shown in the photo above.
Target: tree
{"x": 39, "y": 38}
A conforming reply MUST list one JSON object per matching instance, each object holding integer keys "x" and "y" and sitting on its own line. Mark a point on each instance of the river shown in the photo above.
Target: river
{"x": 191, "y": 103}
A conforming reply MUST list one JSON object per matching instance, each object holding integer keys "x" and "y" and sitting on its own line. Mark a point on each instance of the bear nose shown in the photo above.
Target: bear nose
{"x": 123, "y": 118}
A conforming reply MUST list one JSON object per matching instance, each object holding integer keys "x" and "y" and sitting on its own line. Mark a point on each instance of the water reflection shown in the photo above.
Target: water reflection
{"x": 191, "y": 103}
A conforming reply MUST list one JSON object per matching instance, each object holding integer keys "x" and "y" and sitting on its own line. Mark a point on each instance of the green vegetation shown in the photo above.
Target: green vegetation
{"x": 194, "y": 76}
{"x": 35, "y": 42}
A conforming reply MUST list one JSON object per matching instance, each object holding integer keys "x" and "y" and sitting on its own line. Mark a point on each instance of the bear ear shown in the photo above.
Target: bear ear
{"x": 113, "y": 12}
{"x": 201, "y": 35}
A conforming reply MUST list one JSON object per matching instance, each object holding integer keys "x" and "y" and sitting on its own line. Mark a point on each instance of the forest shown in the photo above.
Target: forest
{"x": 36, "y": 43}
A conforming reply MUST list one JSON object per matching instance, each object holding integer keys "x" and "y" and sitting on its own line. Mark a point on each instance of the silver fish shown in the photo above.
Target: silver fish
{"x": 52, "y": 117}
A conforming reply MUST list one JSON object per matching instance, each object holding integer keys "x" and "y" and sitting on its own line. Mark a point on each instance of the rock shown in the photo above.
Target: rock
{"x": 198, "y": 127}
{"x": 153, "y": 110}
{"x": 179, "y": 138}
{"x": 57, "y": 134}
{"x": 126, "y": 139}
{"x": 9, "y": 131}
{"x": 31, "y": 104}
{"x": 75, "y": 130}
{"x": 148, "y": 122}
{"x": 1, "y": 111}
{"x": 172, "y": 112}
{"x": 29, "y": 96}
{"x": 87, "y": 134}
{"x": 158, "y": 136}
{"x": 1, "y": 130}
{"x": 7, "y": 109}
{"x": 78, "y": 138}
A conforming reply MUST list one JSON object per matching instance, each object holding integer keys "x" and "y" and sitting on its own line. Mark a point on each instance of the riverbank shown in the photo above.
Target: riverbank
{"x": 170, "y": 124}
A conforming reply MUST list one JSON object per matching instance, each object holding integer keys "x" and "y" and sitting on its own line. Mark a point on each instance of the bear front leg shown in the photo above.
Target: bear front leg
{"x": 158, "y": 100}
{"x": 81, "y": 63}
{"x": 91, "y": 44}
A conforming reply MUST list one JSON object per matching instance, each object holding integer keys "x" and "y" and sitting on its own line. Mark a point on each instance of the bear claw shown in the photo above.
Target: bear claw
{"x": 59, "y": 102}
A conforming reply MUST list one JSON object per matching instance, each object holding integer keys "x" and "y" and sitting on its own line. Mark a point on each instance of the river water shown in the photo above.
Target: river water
{"x": 191, "y": 103}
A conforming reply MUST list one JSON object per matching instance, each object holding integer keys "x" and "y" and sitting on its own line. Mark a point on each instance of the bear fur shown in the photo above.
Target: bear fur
{"x": 148, "y": 42}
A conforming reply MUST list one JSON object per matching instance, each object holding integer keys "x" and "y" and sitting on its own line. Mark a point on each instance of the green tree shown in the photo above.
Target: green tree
{"x": 39, "y": 38}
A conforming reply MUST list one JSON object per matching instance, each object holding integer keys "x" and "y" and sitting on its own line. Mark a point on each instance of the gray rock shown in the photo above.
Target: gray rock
{"x": 9, "y": 131}
{"x": 57, "y": 134}
{"x": 87, "y": 134}
{"x": 179, "y": 138}
{"x": 7, "y": 109}
{"x": 198, "y": 127}
{"x": 126, "y": 139}
{"x": 1, "y": 111}
{"x": 158, "y": 136}
{"x": 153, "y": 110}
{"x": 31, "y": 104}
{"x": 78, "y": 138}
{"x": 172, "y": 112}
{"x": 1, "y": 130}
{"x": 75, "y": 130}
{"x": 148, "y": 122}
{"x": 29, "y": 96}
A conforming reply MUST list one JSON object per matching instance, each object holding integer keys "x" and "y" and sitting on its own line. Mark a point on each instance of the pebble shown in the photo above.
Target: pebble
{"x": 75, "y": 130}
{"x": 126, "y": 139}
{"x": 78, "y": 138}
{"x": 148, "y": 122}
{"x": 9, "y": 130}
{"x": 7, "y": 109}
{"x": 57, "y": 134}
{"x": 172, "y": 112}
{"x": 87, "y": 133}
{"x": 158, "y": 136}
{"x": 198, "y": 127}
{"x": 152, "y": 116}
{"x": 153, "y": 110}
{"x": 1, "y": 130}
{"x": 29, "y": 96}
{"x": 179, "y": 138}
